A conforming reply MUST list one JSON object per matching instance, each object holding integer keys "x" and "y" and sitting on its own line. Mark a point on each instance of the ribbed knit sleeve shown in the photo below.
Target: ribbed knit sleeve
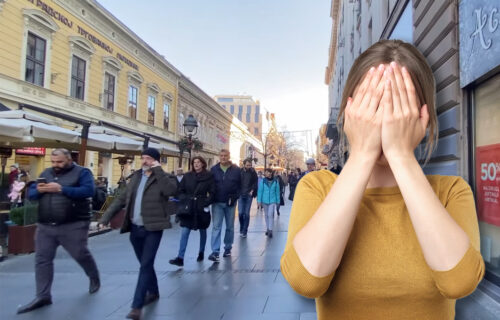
{"x": 462, "y": 279}
{"x": 310, "y": 193}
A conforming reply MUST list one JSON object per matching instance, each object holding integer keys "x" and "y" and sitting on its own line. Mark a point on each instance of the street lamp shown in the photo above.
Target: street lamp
{"x": 190, "y": 129}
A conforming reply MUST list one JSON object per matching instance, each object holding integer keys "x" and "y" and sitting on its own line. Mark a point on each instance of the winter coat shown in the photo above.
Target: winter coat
{"x": 249, "y": 182}
{"x": 204, "y": 185}
{"x": 269, "y": 191}
{"x": 227, "y": 184}
{"x": 155, "y": 215}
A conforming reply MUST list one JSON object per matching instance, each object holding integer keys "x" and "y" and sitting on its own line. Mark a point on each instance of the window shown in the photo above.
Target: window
{"x": 35, "y": 60}
{"x": 166, "y": 115}
{"x": 249, "y": 111}
{"x": 256, "y": 131}
{"x": 487, "y": 172}
{"x": 109, "y": 91}
{"x": 78, "y": 78}
{"x": 232, "y": 109}
{"x": 257, "y": 114}
{"x": 151, "y": 110}
{"x": 132, "y": 102}
{"x": 240, "y": 112}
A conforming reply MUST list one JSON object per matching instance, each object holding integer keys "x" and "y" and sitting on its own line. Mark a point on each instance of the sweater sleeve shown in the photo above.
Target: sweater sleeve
{"x": 462, "y": 279}
{"x": 309, "y": 195}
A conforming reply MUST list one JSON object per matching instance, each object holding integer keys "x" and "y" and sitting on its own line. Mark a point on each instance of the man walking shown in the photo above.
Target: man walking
{"x": 248, "y": 192}
{"x": 64, "y": 194}
{"x": 145, "y": 201}
{"x": 227, "y": 178}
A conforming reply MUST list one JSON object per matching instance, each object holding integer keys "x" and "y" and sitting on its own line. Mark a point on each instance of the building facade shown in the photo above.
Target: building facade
{"x": 245, "y": 109}
{"x": 74, "y": 58}
{"x": 461, "y": 42}
{"x": 214, "y": 124}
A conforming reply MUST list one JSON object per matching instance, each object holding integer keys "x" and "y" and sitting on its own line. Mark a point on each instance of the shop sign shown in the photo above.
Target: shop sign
{"x": 479, "y": 25}
{"x": 31, "y": 151}
{"x": 488, "y": 183}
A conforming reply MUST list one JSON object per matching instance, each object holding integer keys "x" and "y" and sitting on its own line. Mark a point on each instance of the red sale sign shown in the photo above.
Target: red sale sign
{"x": 488, "y": 183}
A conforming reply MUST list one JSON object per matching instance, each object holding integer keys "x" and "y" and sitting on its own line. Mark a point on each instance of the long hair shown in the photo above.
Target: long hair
{"x": 404, "y": 54}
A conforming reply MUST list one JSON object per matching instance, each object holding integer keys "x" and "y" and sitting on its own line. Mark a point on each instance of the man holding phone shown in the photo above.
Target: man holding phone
{"x": 147, "y": 214}
{"x": 64, "y": 193}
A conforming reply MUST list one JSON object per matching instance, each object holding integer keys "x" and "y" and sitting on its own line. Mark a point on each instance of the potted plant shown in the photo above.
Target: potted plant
{"x": 22, "y": 229}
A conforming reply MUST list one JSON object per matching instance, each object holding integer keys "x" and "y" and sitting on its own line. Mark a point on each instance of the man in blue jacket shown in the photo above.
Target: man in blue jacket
{"x": 227, "y": 178}
{"x": 64, "y": 193}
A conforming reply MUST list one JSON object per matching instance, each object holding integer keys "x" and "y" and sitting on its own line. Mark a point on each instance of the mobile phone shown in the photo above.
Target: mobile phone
{"x": 41, "y": 180}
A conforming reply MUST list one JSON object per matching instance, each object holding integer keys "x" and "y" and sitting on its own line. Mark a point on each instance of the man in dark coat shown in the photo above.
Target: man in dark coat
{"x": 64, "y": 210}
{"x": 198, "y": 189}
{"x": 249, "y": 181}
{"x": 292, "y": 181}
{"x": 227, "y": 191}
{"x": 145, "y": 201}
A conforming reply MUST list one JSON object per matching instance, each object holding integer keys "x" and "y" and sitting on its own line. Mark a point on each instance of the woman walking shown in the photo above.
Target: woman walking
{"x": 382, "y": 240}
{"x": 268, "y": 195}
{"x": 197, "y": 186}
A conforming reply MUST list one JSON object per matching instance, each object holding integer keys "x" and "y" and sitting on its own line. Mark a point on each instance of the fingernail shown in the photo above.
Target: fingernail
{"x": 390, "y": 69}
{"x": 393, "y": 64}
{"x": 381, "y": 67}
{"x": 385, "y": 73}
{"x": 372, "y": 69}
{"x": 404, "y": 70}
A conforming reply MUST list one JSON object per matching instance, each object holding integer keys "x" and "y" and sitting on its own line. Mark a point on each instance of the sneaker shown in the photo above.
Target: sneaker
{"x": 270, "y": 234}
{"x": 213, "y": 257}
{"x": 177, "y": 261}
{"x": 243, "y": 235}
{"x": 227, "y": 253}
{"x": 201, "y": 256}
{"x": 267, "y": 232}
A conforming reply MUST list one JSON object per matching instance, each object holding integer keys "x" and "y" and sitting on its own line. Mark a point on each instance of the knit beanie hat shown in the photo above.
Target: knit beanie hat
{"x": 152, "y": 152}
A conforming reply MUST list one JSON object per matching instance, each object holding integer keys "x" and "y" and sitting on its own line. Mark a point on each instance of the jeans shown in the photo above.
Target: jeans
{"x": 145, "y": 245}
{"x": 221, "y": 211}
{"x": 244, "y": 205}
{"x": 72, "y": 237}
{"x": 185, "y": 237}
{"x": 269, "y": 212}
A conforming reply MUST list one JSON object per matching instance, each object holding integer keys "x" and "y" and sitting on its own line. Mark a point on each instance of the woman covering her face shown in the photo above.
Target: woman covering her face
{"x": 382, "y": 240}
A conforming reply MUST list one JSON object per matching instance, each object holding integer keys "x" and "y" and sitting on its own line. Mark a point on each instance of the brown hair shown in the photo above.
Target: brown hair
{"x": 203, "y": 163}
{"x": 404, "y": 54}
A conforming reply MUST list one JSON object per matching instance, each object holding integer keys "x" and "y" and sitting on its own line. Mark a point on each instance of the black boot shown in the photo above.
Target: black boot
{"x": 35, "y": 304}
{"x": 201, "y": 256}
{"x": 94, "y": 285}
{"x": 177, "y": 261}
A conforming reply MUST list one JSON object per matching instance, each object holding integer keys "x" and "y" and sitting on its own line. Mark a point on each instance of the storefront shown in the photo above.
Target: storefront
{"x": 480, "y": 79}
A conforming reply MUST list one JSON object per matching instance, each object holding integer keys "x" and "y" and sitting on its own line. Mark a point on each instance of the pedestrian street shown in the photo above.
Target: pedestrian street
{"x": 246, "y": 286}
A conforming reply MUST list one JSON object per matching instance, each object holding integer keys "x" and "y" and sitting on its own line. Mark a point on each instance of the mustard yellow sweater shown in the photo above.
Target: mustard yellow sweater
{"x": 383, "y": 274}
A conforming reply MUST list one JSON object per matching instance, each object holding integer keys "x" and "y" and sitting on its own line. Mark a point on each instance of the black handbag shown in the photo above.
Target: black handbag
{"x": 187, "y": 206}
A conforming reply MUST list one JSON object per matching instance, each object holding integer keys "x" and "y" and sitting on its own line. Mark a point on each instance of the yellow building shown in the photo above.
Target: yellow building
{"x": 74, "y": 63}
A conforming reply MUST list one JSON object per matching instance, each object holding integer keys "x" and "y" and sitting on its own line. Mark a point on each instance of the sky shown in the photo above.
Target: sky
{"x": 273, "y": 50}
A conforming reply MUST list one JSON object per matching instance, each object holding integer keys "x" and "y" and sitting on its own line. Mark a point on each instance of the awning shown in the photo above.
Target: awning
{"x": 102, "y": 138}
{"x": 20, "y": 129}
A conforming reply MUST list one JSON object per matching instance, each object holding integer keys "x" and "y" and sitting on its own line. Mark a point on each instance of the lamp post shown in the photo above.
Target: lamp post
{"x": 190, "y": 126}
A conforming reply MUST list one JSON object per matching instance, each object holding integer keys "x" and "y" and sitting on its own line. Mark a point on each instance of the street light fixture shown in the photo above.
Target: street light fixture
{"x": 190, "y": 129}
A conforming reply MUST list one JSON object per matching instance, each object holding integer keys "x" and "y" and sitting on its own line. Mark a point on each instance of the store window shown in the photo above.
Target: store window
{"x": 151, "y": 110}
{"x": 132, "y": 102}
{"x": 109, "y": 91}
{"x": 487, "y": 170}
{"x": 78, "y": 78}
{"x": 35, "y": 60}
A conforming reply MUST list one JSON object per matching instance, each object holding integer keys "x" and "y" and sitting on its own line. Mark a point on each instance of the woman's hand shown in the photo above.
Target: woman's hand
{"x": 404, "y": 121}
{"x": 363, "y": 117}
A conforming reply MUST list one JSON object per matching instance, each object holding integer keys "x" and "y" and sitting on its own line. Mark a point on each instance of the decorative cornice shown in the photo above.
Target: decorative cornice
{"x": 82, "y": 43}
{"x": 154, "y": 87}
{"x": 41, "y": 18}
{"x": 136, "y": 76}
{"x": 113, "y": 62}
